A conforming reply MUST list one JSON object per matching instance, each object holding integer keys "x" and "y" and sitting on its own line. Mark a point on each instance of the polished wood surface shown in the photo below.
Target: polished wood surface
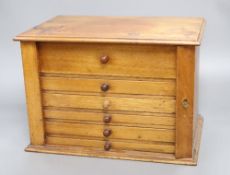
{"x": 116, "y": 86}
{"x": 156, "y": 120}
{"x": 126, "y": 91}
{"x": 113, "y": 103}
{"x": 118, "y": 132}
{"x": 151, "y": 61}
{"x": 151, "y": 30}
{"x": 33, "y": 94}
{"x": 185, "y": 101}
{"x": 115, "y": 144}
{"x": 125, "y": 154}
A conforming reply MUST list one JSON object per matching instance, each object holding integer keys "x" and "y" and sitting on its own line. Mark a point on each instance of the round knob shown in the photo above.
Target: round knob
{"x": 105, "y": 87}
{"x": 104, "y": 59}
{"x": 107, "y": 146}
{"x": 107, "y": 118}
{"x": 106, "y": 104}
{"x": 107, "y": 132}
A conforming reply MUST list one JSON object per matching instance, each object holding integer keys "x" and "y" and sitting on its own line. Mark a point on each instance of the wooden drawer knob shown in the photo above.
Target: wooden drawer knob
{"x": 105, "y": 87}
{"x": 107, "y": 146}
{"x": 107, "y": 132}
{"x": 104, "y": 59}
{"x": 106, "y": 104}
{"x": 107, "y": 118}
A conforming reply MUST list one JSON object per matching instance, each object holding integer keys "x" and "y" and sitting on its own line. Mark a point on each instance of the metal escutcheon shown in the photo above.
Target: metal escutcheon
{"x": 185, "y": 103}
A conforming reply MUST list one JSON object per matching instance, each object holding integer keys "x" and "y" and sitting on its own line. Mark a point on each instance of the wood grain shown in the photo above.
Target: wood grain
{"x": 33, "y": 94}
{"x": 151, "y": 30}
{"x": 118, "y": 132}
{"x": 166, "y": 121}
{"x": 196, "y": 90}
{"x": 135, "y": 103}
{"x": 157, "y": 87}
{"x": 125, "y": 154}
{"x": 152, "y": 61}
{"x": 197, "y": 137}
{"x": 185, "y": 90}
{"x": 148, "y": 68}
{"x": 116, "y": 144}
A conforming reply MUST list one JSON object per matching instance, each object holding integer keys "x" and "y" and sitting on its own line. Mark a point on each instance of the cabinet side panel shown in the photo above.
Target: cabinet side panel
{"x": 196, "y": 101}
{"x": 185, "y": 101}
{"x": 196, "y": 87}
{"x": 33, "y": 94}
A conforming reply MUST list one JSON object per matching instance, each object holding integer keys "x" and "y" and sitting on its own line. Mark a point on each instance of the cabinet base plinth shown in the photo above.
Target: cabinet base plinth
{"x": 124, "y": 154}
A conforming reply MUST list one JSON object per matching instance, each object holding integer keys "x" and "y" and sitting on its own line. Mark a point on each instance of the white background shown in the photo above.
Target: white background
{"x": 214, "y": 86}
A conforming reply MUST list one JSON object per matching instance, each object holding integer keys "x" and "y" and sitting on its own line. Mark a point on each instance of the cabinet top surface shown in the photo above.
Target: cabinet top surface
{"x": 149, "y": 30}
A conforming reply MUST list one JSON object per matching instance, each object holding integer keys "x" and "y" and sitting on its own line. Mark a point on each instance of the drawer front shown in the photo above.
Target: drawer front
{"x": 115, "y": 144}
{"x": 113, "y": 103}
{"x": 124, "y": 60}
{"x": 166, "y": 121}
{"x": 117, "y": 132}
{"x": 157, "y": 87}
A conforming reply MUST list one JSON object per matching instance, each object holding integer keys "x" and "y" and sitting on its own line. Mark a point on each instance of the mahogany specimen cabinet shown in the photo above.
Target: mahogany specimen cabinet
{"x": 115, "y": 87}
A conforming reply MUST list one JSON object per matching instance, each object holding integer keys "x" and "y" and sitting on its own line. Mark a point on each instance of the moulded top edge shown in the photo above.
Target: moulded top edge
{"x": 139, "y": 30}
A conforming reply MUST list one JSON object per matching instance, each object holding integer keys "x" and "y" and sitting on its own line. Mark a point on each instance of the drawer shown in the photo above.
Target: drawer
{"x": 98, "y": 85}
{"x": 117, "y": 132}
{"x": 166, "y": 121}
{"x": 114, "y": 103}
{"x": 146, "y": 61}
{"x": 116, "y": 144}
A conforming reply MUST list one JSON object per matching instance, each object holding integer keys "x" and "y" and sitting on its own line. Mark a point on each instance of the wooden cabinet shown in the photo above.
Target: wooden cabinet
{"x": 116, "y": 87}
